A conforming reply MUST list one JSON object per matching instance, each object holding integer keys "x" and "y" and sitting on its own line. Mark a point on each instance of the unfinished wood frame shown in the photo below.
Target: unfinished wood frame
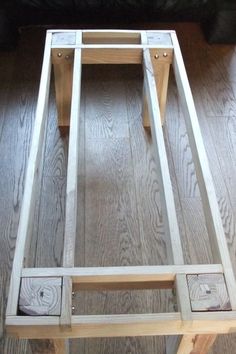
{"x": 199, "y": 318}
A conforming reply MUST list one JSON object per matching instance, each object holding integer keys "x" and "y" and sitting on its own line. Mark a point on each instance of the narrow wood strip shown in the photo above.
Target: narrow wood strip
{"x": 122, "y": 285}
{"x": 111, "y": 55}
{"x": 114, "y": 47}
{"x": 168, "y": 204}
{"x": 110, "y": 30}
{"x": 145, "y": 113}
{"x": 119, "y": 325}
{"x": 71, "y": 188}
{"x": 184, "y": 306}
{"x": 72, "y": 169}
{"x": 66, "y": 303}
{"x": 23, "y": 236}
{"x": 124, "y": 31}
{"x": 214, "y": 224}
{"x": 111, "y": 37}
{"x": 124, "y": 274}
{"x": 183, "y": 298}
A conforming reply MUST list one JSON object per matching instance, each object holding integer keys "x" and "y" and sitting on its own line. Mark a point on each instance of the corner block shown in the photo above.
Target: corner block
{"x": 40, "y": 296}
{"x": 208, "y": 292}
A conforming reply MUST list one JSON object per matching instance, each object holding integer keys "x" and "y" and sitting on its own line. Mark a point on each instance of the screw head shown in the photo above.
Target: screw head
{"x": 73, "y": 309}
{"x": 165, "y": 55}
{"x": 156, "y": 56}
{"x": 59, "y": 55}
{"x": 67, "y": 57}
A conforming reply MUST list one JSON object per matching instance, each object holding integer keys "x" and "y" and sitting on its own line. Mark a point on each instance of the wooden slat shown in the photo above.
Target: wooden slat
{"x": 168, "y": 204}
{"x": 66, "y": 303}
{"x": 111, "y": 56}
{"x": 120, "y": 325}
{"x": 132, "y": 47}
{"x": 114, "y": 274}
{"x": 71, "y": 188}
{"x": 72, "y": 169}
{"x": 145, "y": 113}
{"x": 183, "y": 298}
{"x": 214, "y": 225}
{"x": 23, "y": 236}
{"x": 111, "y": 37}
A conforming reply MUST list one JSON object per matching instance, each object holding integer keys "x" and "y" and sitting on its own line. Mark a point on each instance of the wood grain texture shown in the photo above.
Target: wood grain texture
{"x": 18, "y": 95}
{"x": 16, "y": 127}
{"x": 110, "y": 192}
{"x": 104, "y": 94}
{"x": 196, "y": 344}
{"x": 40, "y": 296}
{"x": 145, "y": 177}
{"x": 208, "y": 292}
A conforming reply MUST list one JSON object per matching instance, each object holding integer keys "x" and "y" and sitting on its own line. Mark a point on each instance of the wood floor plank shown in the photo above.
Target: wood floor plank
{"x": 56, "y": 148}
{"x": 50, "y": 226}
{"x": 194, "y": 236}
{"x": 216, "y": 92}
{"x": 223, "y": 129}
{"x": 110, "y": 217}
{"x": 104, "y": 94}
{"x": 179, "y": 143}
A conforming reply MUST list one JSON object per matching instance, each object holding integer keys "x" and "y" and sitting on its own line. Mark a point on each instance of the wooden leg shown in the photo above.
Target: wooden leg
{"x": 61, "y": 346}
{"x": 190, "y": 344}
{"x": 63, "y": 69}
{"x": 161, "y": 67}
{"x": 49, "y": 346}
{"x": 162, "y": 76}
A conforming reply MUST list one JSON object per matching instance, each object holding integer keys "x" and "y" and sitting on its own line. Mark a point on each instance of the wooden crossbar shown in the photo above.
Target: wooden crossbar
{"x": 205, "y": 293}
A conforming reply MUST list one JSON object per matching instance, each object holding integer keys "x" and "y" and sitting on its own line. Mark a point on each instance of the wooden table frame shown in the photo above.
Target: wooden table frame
{"x": 156, "y": 51}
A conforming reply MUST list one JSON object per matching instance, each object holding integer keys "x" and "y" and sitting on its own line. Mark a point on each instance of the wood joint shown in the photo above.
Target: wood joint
{"x": 161, "y": 55}
{"x": 62, "y": 56}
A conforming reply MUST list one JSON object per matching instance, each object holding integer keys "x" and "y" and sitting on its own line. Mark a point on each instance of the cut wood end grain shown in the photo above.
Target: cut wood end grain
{"x": 63, "y": 38}
{"x": 40, "y": 296}
{"x": 160, "y": 38}
{"x": 208, "y": 292}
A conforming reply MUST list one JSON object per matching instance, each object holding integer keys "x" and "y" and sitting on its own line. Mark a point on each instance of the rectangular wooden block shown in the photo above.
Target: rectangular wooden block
{"x": 40, "y": 296}
{"x": 208, "y": 292}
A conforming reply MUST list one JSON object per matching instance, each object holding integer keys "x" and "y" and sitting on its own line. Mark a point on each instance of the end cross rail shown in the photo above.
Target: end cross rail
{"x": 48, "y": 313}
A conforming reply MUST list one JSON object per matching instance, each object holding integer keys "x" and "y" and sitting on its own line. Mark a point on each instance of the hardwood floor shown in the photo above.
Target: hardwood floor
{"x": 119, "y": 211}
